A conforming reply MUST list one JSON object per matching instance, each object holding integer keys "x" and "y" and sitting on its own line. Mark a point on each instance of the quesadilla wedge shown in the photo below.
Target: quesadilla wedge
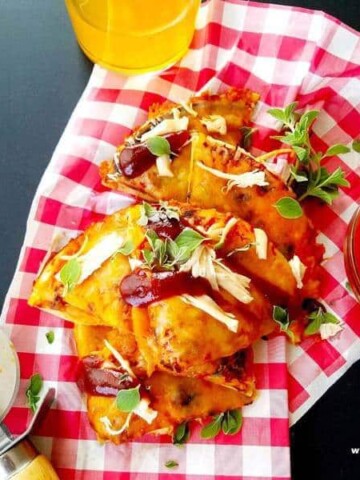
{"x": 164, "y": 401}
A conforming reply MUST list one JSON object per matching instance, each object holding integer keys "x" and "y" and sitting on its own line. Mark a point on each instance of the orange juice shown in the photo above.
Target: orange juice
{"x": 133, "y": 36}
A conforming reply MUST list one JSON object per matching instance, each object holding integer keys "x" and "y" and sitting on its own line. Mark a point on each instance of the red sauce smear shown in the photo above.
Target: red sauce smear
{"x": 137, "y": 159}
{"x": 165, "y": 228}
{"x": 106, "y": 382}
{"x": 141, "y": 287}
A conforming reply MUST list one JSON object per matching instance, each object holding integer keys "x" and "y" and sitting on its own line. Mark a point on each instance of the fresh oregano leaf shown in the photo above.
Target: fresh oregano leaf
{"x": 33, "y": 390}
{"x": 336, "y": 150}
{"x": 146, "y": 212}
{"x": 181, "y": 434}
{"x": 247, "y": 133}
{"x": 278, "y": 114}
{"x": 356, "y": 145}
{"x": 307, "y": 119}
{"x": 50, "y": 336}
{"x": 213, "y": 428}
{"x": 232, "y": 422}
{"x": 70, "y": 273}
{"x": 299, "y": 176}
{"x": 171, "y": 464}
{"x": 288, "y": 208}
{"x": 318, "y": 318}
{"x": 127, "y": 248}
{"x": 301, "y": 153}
{"x": 158, "y": 146}
{"x": 296, "y": 134}
{"x": 281, "y": 317}
{"x": 128, "y": 400}
{"x": 289, "y": 112}
{"x": 189, "y": 239}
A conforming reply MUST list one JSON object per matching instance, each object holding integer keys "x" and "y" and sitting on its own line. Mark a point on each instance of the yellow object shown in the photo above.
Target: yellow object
{"x": 133, "y": 36}
{"x": 39, "y": 469}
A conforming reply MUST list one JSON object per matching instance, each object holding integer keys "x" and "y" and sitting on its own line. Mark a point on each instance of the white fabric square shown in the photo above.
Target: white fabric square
{"x": 234, "y": 16}
{"x": 145, "y": 458}
{"x": 351, "y": 90}
{"x": 343, "y": 43}
{"x": 90, "y": 456}
{"x": 277, "y": 21}
{"x": 261, "y": 407}
{"x": 200, "y": 459}
{"x": 256, "y": 461}
{"x": 265, "y": 67}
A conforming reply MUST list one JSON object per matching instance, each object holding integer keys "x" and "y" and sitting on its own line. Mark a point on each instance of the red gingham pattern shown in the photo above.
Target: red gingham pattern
{"x": 283, "y": 53}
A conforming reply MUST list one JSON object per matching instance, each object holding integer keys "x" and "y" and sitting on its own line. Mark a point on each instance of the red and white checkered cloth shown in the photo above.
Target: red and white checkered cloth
{"x": 285, "y": 54}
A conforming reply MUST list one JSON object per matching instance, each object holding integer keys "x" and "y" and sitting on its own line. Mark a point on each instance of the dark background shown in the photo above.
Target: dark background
{"x": 42, "y": 74}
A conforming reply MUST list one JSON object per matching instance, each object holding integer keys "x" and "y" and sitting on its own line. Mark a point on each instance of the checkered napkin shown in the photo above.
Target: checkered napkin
{"x": 285, "y": 54}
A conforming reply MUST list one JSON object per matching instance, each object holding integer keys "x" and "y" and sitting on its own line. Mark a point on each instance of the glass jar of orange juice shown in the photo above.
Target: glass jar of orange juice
{"x": 133, "y": 36}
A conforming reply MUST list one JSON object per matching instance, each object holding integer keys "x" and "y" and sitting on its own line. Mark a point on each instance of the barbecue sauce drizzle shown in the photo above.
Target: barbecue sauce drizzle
{"x": 133, "y": 160}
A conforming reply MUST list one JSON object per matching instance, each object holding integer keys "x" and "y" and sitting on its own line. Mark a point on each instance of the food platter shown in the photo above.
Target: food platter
{"x": 168, "y": 297}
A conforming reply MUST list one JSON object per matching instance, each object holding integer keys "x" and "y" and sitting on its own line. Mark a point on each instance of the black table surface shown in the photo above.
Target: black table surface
{"x": 42, "y": 74}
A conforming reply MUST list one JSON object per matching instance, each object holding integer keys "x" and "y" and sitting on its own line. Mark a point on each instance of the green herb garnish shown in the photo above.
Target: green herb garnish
{"x": 162, "y": 212}
{"x": 356, "y": 145}
{"x": 181, "y": 434}
{"x": 50, "y": 336}
{"x": 246, "y": 139}
{"x": 171, "y": 464}
{"x": 128, "y": 400}
{"x": 288, "y": 208}
{"x": 229, "y": 422}
{"x": 70, "y": 274}
{"x": 213, "y": 428}
{"x": 232, "y": 422}
{"x": 281, "y": 317}
{"x": 33, "y": 390}
{"x": 189, "y": 239}
{"x": 168, "y": 253}
{"x": 158, "y": 146}
{"x": 348, "y": 286}
{"x": 314, "y": 179}
{"x": 127, "y": 248}
{"x": 318, "y": 318}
